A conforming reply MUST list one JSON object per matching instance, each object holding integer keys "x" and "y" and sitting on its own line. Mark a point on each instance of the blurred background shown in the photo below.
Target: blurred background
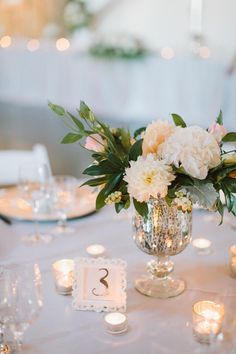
{"x": 131, "y": 61}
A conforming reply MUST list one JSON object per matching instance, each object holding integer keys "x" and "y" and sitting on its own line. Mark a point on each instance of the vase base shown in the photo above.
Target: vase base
{"x": 160, "y": 288}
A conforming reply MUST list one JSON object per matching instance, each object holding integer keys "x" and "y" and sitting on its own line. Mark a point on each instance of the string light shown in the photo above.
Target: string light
{"x": 5, "y": 41}
{"x": 204, "y": 52}
{"x": 33, "y": 45}
{"x": 62, "y": 44}
{"x": 167, "y": 53}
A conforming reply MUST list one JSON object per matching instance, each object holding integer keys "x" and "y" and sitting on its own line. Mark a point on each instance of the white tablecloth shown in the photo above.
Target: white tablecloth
{"x": 155, "y": 326}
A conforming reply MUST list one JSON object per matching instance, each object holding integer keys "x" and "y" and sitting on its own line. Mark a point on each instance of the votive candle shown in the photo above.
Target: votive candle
{"x": 95, "y": 250}
{"x": 116, "y": 323}
{"x": 202, "y": 245}
{"x": 207, "y": 320}
{"x": 63, "y": 271}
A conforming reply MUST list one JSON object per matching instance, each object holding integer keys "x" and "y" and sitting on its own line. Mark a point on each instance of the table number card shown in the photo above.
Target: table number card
{"x": 99, "y": 284}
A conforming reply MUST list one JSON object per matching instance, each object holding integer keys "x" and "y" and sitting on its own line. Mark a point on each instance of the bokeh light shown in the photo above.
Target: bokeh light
{"x": 167, "y": 53}
{"x": 62, "y": 44}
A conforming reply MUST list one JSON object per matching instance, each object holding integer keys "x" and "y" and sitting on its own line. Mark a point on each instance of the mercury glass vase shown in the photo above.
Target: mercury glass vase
{"x": 165, "y": 232}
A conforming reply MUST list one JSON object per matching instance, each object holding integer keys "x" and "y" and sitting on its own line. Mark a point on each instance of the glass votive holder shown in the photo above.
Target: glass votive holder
{"x": 95, "y": 250}
{"x": 207, "y": 320}
{"x": 63, "y": 271}
{"x": 233, "y": 260}
{"x": 202, "y": 246}
{"x": 116, "y": 323}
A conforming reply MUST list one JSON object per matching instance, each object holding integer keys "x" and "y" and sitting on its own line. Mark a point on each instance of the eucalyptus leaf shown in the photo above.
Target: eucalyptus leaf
{"x": 202, "y": 193}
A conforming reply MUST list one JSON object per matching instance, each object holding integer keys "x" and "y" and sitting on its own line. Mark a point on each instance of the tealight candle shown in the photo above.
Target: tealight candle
{"x": 207, "y": 320}
{"x": 116, "y": 323}
{"x": 233, "y": 260}
{"x": 95, "y": 250}
{"x": 202, "y": 245}
{"x": 63, "y": 271}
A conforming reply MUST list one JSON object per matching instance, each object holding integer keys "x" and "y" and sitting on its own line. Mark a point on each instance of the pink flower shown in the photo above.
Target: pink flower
{"x": 94, "y": 142}
{"x": 218, "y": 131}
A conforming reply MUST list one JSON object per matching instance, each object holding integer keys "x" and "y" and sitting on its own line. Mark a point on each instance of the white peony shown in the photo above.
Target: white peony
{"x": 148, "y": 177}
{"x": 156, "y": 134}
{"x": 192, "y": 148}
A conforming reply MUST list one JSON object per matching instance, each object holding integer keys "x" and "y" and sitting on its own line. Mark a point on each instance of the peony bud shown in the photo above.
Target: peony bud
{"x": 95, "y": 143}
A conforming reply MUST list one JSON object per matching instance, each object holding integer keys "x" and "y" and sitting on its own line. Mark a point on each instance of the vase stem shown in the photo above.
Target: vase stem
{"x": 160, "y": 267}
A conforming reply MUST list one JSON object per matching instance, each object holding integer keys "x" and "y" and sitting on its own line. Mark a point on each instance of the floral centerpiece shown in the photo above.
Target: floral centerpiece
{"x": 182, "y": 164}
{"x": 163, "y": 168}
{"x": 117, "y": 45}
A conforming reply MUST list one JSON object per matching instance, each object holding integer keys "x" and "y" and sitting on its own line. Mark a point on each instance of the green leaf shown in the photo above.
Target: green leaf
{"x": 100, "y": 201}
{"x": 225, "y": 171}
{"x": 230, "y": 183}
{"x": 178, "y": 120}
{"x": 124, "y": 138}
{"x": 220, "y": 209}
{"x": 57, "y": 109}
{"x": 115, "y": 161}
{"x": 111, "y": 185}
{"x": 76, "y": 121}
{"x": 103, "y": 168}
{"x": 84, "y": 110}
{"x": 139, "y": 132}
{"x": 229, "y": 137}
{"x": 119, "y": 207}
{"x": 202, "y": 193}
{"x": 141, "y": 208}
{"x": 95, "y": 182}
{"x": 136, "y": 150}
{"x": 71, "y": 138}
{"x": 219, "y": 119}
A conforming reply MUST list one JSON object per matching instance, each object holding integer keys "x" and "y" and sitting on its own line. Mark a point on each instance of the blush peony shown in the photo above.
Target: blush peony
{"x": 148, "y": 177}
{"x": 218, "y": 131}
{"x": 192, "y": 148}
{"x": 156, "y": 134}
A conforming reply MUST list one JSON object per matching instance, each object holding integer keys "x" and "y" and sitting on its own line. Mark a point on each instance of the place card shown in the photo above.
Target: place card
{"x": 99, "y": 284}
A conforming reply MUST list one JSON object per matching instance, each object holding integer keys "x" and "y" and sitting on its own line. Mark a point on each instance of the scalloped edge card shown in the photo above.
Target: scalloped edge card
{"x": 99, "y": 285}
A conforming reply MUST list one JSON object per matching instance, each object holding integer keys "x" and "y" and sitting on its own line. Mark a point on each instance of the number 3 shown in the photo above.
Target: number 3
{"x": 104, "y": 282}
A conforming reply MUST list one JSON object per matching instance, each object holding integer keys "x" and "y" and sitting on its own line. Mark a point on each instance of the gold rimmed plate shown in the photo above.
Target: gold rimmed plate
{"x": 13, "y": 206}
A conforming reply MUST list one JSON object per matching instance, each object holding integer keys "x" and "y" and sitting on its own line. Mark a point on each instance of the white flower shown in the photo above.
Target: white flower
{"x": 156, "y": 134}
{"x": 192, "y": 148}
{"x": 148, "y": 177}
{"x": 218, "y": 131}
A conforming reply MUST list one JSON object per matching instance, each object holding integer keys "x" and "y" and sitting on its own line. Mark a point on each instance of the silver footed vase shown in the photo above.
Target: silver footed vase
{"x": 165, "y": 232}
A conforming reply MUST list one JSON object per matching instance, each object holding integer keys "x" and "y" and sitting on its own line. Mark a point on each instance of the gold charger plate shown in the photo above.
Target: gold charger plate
{"x": 14, "y": 207}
